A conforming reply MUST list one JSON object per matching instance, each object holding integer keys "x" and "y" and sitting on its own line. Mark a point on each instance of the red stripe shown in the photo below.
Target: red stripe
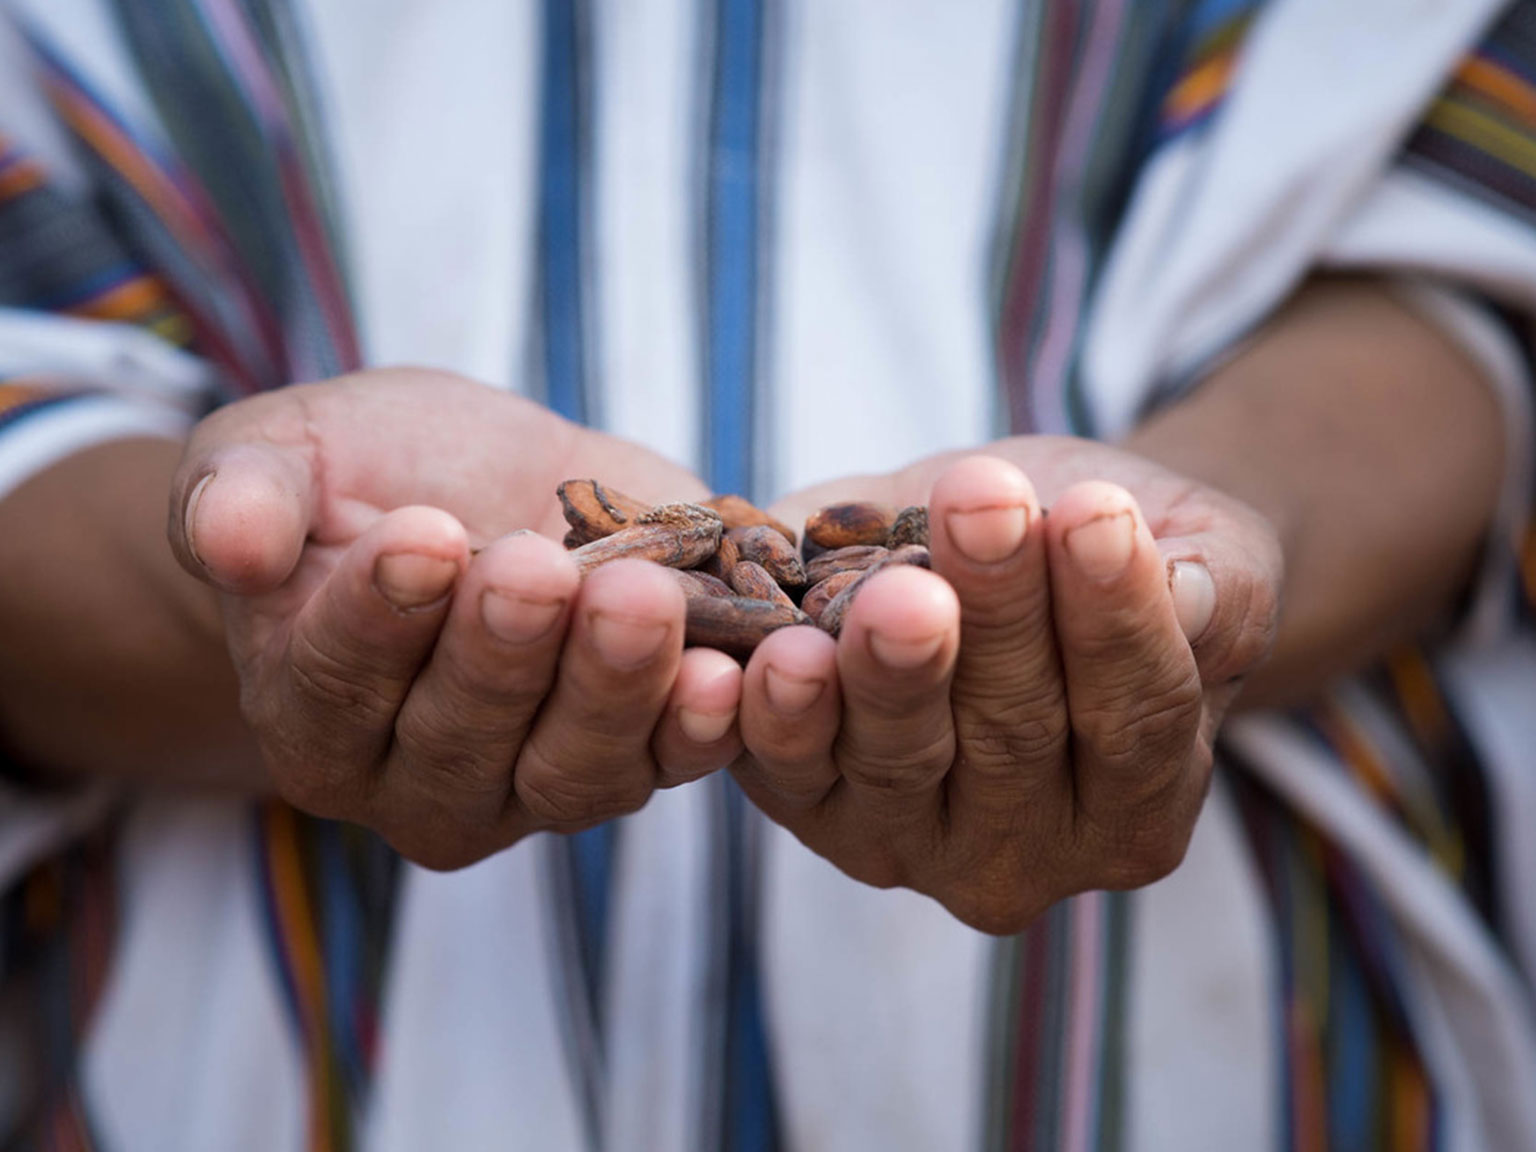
{"x": 1035, "y": 952}
{"x": 1048, "y": 112}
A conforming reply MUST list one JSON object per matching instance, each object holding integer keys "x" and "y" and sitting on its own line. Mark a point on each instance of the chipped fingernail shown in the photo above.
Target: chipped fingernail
{"x": 791, "y": 695}
{"x": 704, "y": 727}
{"x": 410, "y": 581}
{"x": 1102, "y": 548}
{"x": 627, "y": 641}
{"x": 1194, "y": 597}
{"x": 516, "y": 619}
{"x": 189, "y": 519}
{"x": 987, "y": 535}
{"x": 903, "y": 654}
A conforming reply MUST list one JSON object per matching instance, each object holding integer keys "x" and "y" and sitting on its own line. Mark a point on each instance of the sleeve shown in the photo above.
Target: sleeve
{"x": 1335, "y": 142}
{"x": 84, "y": 359}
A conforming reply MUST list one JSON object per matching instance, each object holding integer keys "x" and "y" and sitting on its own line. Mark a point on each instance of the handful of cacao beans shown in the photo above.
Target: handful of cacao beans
{"x": 745, "y": 574}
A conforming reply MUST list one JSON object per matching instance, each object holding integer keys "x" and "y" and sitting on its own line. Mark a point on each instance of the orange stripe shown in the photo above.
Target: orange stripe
{"x": 1357, "y": 755}
{"x": 136, "y": 297}
{"x": 1415, "y": 683}
{"x": 21, "y": 178}
{"x": 1201, "y": 88}
{"x": 1307, "y": 1086}
{"x": 1528, "y": 564}
{"x": 124, "y": 156}
{"x": 296, "y": 928}
{"x": 1408, "y": 1114}
{"x": 1499, "y": 85}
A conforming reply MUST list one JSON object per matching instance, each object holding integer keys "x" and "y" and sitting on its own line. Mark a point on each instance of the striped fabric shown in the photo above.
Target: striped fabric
{"x": 1480, "y": 135}
{"x": 57, "y": 931}
{"x": 1353, "y": 1076}
{"x": 230, "y": 216}
{"x": 223, "y": 242}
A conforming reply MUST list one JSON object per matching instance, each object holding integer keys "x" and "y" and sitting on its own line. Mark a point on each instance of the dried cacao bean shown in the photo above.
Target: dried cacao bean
{"x": 739, "y": 512}
{"x": 674, "y": 535}
{"x": 753, "y": 581}
{"x": 762, "y": 545}
{"x": 736, "y": 625}
{"x": 911, "y": 527}
{"x": 594, "y": 511}
{"x": 844, "y": 525}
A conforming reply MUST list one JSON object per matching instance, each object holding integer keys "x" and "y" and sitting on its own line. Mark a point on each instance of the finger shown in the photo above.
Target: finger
{"x": 448, "y": 776}
{"x": 989, "y": 542}
{"x": 1134, "y": 693}
{"x": 790, "y": 711}
{"x": 352, "y": 653}
{"x": 588, "y": 755}
{"x": 1225, "y": 594}
{"x": 698, "y": 732}
{"x": 240, "y": 515}
{"x": 895, "y": 659}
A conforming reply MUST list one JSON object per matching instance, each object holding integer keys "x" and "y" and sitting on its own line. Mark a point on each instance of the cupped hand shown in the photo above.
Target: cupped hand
{"x": 1034, "y": 717}
{"x": 414, "y": 655}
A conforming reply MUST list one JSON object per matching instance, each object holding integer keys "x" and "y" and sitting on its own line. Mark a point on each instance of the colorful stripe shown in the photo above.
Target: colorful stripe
{"x": 1480, "y": 133}
{"x": 1059, "y": 1011}
{"x": 1352, "y": 1074}
{"x": 58, "y": 926}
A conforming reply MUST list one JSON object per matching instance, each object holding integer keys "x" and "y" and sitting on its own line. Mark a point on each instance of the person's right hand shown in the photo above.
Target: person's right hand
{"x": 413, "y": 654}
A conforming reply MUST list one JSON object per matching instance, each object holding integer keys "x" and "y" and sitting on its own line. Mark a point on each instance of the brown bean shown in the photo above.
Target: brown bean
{"x": 843, "y": 525}
{"x": 762, "y": 545}
{"x": 854, "y": 558}
{"x": 724, "y": 559}
{"x": 911, "y": 527}
{"x": 819, "y": 595}
{"x": 695, "y": 582}
{"x": 675, "y": 535}
{"x": 735, "y": 624}
{"x": 594, "y": 511}
{"x": 738, "y": 512}
{"x": 753, "y": 581}
{"x": 831, "y": 617}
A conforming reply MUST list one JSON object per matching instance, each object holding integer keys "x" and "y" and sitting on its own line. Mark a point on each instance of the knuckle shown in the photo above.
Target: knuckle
{"x": 1136, "y": 723}
{"x": 907, "y": 771}
{"x": 1022, "y": 734}
{"x": 334, "y": 683}
{"x": 428, "y": 741}
{"x": 559, "y": 800}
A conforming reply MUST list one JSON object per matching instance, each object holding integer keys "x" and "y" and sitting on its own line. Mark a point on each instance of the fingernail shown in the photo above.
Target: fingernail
{"x": 627, "y": 642}
{"x": 987, "y": 535}
{"x": 791, "y": 695}
{"x": 704, "y": 727}
{"x": 1102, "y": 548}
{"x": 902, "y": 654}
{"x": 409, "y": 580}
{"x": 189, "y": 522}
{"x": 518, "y": 620}
{"x": 1194, "y": 597}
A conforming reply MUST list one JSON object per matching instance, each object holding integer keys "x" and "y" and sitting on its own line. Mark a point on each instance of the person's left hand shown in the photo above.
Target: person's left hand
{"x": 1034, "y": 717}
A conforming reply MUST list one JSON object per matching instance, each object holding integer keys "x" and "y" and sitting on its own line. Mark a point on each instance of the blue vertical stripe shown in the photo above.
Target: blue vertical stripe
{"x": 733, "y": 228}
{"x": 562, "y": 243}
{"x": 564, "y": 174}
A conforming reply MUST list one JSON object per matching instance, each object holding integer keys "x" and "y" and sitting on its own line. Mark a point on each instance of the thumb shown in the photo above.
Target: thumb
{"x": 241, "y": 511}
{"x": 1225, "y": 584}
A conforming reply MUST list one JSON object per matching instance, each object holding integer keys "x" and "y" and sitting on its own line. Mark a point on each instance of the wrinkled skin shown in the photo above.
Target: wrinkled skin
{"x": 1016, "y": 726}
{"x": 1000, "y": 733}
